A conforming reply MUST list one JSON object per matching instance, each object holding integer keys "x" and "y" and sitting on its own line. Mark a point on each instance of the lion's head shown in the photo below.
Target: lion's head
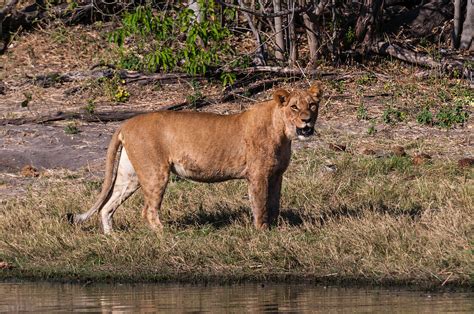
{"x": 300, "y": 110}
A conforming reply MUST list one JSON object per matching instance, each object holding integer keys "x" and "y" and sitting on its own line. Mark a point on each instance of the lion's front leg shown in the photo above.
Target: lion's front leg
{"x": 258, "y": 194}
{"x": 274, "y": 198}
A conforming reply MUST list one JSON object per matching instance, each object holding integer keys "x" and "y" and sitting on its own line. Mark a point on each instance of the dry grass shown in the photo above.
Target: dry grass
{"x": 381, "y": 220}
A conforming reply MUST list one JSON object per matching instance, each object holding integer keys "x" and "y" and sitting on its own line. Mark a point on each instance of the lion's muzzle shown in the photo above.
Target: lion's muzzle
{"x": 305, "y": 131}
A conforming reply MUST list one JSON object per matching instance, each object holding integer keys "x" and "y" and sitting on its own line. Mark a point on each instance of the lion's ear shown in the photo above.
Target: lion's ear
{"x": 316, "y": 89}
{"x": 280, "y": 96}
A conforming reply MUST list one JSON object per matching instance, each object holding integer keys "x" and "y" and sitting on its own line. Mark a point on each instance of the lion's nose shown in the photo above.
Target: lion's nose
{"x": 306, "y": 120}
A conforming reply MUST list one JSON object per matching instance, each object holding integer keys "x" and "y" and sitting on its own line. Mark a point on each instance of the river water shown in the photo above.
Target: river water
{"x": 54, "y": 297}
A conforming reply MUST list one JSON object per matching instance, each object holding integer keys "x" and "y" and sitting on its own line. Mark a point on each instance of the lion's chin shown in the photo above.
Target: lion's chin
{"x": 303, "y": 138}
{"x": 305, "y": 133}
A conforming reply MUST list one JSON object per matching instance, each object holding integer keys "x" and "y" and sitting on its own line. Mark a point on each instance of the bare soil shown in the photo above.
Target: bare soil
{"x": 49, "y": 147}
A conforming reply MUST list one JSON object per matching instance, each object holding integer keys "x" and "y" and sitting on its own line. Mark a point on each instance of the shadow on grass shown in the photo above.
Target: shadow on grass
{"x": 295, "y": 217}
{"x": 217, "y": 218}
{"x": 224, "y": 216}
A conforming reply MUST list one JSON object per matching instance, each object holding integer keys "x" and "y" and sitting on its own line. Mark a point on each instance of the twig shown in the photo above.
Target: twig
{"x": 259, "y": 14}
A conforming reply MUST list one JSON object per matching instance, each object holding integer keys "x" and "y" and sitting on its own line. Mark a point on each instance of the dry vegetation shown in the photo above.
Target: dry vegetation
{"x": 381, "y": 220}
{"x": 369, "y": 212}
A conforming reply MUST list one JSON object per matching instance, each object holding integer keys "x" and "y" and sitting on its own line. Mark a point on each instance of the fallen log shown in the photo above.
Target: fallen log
{"x": 454, "y": 67}
{"x": 50, "y": 79}
{"x": 112, "y": 116}
{"x": 101, "y": 117}
{"x": 106, "y": 116}
{"x": 234, "y": 92}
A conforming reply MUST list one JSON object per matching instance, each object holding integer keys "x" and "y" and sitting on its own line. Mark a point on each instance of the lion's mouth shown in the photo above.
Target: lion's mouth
{"x": 306, "y": 131}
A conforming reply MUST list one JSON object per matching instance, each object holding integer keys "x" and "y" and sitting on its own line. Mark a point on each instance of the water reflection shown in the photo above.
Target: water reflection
{"x": 253, "y": 298}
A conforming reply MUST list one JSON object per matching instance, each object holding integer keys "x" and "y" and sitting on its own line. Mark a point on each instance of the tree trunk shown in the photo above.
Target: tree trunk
{"x": 458, "y": 5}
{"x": 292, "y": 36}
{"x": 468, "y": 28}
{"x": 5, "y": 32}
{"x": 260, "y": 46}
{"x": 7, "y": 9}
{"x": 334, "y": 28}
{"x": 311, "y": 36}
{"x": 367, "y": 22}
{"x": 279, "y": 38}
{"x": 194, "y": 6}
{"x": 199, "y": 18}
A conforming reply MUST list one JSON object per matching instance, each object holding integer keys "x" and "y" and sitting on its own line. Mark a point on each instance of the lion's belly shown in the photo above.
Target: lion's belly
{"x": 207, "y": 172}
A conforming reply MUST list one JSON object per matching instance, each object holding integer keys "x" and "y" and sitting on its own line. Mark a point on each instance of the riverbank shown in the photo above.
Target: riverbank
{"x": 346, "y": 218}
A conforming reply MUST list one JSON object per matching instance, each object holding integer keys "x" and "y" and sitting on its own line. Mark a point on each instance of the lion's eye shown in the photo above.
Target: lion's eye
{"x": 313, "y": 107}
{"x": 294, "y": 107}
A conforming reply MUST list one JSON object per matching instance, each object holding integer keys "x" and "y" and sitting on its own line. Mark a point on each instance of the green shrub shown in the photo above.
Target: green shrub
{"x": 71, "y": 128}
{"x": 372, "y": 130}
{"x": 366, "y": 79}
{"x": 392, "y": 115}
{"x": 448, "y": 117}
{"x": 168, "y": 40}
{"x": 114, "y": 89}
{"x": 362, "y": 113}
{"x": 90, "y": 107}
{"x": 26, "y": 101}
{"x": 425, "y": 117}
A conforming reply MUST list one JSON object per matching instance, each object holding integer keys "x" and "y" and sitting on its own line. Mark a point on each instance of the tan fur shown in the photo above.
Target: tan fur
{"x": 254, "y": 145}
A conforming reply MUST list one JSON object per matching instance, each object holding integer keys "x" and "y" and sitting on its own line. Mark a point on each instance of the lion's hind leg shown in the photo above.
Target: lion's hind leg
{"x": 154, "y": 187}
{"x": 126, "y": 183}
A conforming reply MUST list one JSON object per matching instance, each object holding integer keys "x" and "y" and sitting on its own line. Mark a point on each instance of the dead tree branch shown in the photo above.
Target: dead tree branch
{"x": 51, "y": 79}
{"x": 114, "y": 116}
{"x": 448, "y": 65}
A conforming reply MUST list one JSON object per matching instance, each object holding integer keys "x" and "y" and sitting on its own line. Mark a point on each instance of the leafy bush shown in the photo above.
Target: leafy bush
{"x": 26, "y": 101}
{"x": 372, "y": 129}
{"x": 362, "y": 113}
{"x": 196, "y": 95}
{"x": 71, "y": 128}
{"x": 121, "y": 95}
{"x": 425, "y": 117}
{"x": 366, "y": 79}
{"x": 90, "y": 107}
{"x": 114, "y": 89}
{"x": 172, "y": 39}
{"x": 448, "y": 117}
{"x": 391, "y": 115}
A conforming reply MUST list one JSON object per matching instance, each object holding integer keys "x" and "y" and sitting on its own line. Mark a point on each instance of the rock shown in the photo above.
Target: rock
{"x": 337, "y": 147}
{"x": 421, "y": 159}
{"x": 466, "y": 162}
{"x": 29, "y": 171}
{"x": 399, "y": 151}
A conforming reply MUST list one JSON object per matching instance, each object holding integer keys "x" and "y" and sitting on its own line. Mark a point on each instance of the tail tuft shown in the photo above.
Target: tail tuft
{"x": 70, "y": 218}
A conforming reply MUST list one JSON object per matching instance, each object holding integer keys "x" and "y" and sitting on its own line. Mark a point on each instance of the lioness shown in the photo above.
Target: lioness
{"x": 254, "y": 145}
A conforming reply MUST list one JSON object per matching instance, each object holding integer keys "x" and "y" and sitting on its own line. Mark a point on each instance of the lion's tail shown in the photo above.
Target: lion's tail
{"x": 112, "y": 161}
